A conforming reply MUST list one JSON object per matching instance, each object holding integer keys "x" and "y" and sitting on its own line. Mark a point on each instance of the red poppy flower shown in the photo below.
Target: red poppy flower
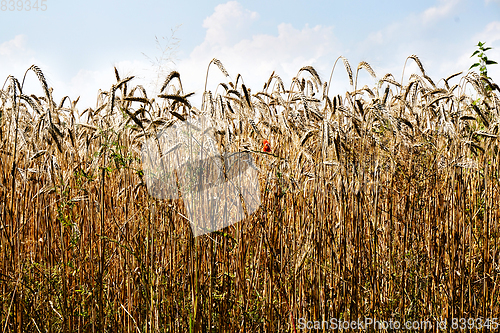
{"x": 267, "y": 146}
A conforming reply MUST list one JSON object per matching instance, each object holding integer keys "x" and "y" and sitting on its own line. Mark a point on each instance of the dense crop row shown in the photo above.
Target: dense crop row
{"x": 380, "y": 203}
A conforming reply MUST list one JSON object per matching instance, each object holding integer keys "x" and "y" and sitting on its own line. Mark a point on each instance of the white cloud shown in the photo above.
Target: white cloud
{"x": 436, "y": 13}
{"x": 491, "y": 33}
{"x": 13, "y": 46}
{"x": 227, "y": 23}
{"x": 257, "y": 56}
{"x": 224, "y": 29}
{"x": 413, "y": 25}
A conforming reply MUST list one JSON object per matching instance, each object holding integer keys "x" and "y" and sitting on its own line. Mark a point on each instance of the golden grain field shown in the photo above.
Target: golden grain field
{"x": 380, "y": 203}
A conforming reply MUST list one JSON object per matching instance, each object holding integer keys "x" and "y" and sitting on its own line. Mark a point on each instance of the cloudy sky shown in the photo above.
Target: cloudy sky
{"x": 77, "y": 43}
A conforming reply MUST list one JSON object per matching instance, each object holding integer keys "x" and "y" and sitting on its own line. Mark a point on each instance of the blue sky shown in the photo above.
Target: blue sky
{"x": 77, "y": 43}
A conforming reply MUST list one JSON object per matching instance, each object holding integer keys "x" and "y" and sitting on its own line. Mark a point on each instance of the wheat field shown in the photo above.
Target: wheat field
{"x": 381, "y": 203}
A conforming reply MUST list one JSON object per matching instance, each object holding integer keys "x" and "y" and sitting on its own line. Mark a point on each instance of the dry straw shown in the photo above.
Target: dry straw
{"x": 379, "y": 203}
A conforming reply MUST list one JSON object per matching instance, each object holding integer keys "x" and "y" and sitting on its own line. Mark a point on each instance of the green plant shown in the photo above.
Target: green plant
{"x": 483, "y": 60}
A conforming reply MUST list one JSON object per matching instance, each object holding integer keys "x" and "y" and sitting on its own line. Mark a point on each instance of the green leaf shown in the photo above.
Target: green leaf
{"x": 486, "y": 49}
{"x": 491, "y": 62}
{"x": 473, "y": 54}
{"x": 475, "y": 65}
